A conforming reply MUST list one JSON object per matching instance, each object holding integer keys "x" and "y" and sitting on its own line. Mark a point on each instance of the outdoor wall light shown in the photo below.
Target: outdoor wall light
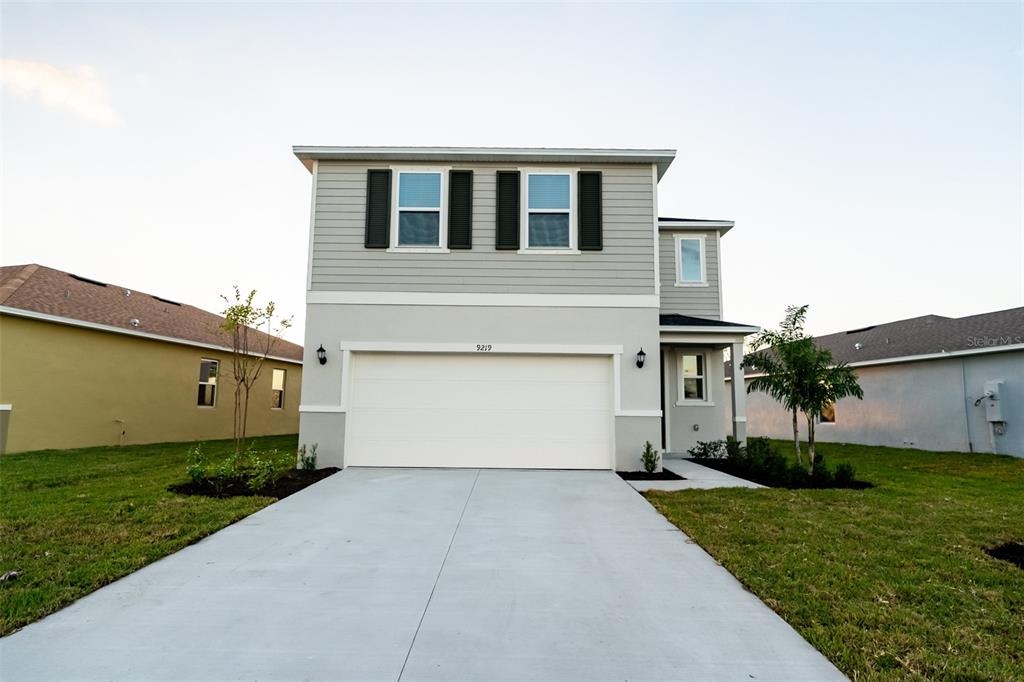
{"x": 321, "y": 355}
{"x": 640, "y": 357}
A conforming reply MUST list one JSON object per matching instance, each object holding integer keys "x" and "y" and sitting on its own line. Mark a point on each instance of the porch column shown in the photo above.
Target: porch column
{"x": 739, "y": 395}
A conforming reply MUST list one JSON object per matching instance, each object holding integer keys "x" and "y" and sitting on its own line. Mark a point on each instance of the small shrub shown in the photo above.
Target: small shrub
{"x": 845, "y": 474}
{"x": 712, "y": 449}
{"x": 307, "y": 462}
{"x": 733, "y": 448}
{"x": 196, "y": 467}
{"x": 650, "y": 458}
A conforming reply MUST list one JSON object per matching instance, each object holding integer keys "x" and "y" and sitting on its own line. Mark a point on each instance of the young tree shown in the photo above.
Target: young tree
{"x": 781, "y": 357}
{"x": 255, "y": 332}
{"x": 826, "y": 382}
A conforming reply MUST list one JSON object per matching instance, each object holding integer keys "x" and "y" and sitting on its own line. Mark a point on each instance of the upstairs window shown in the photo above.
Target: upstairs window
{"x": 692, "y": 378}
{"x": 419, "y": 209}
{"x": 207, "y": 383}
{"x": 690, "y": 269}
{"x": 277, "y": 377}
{"x": 548, "y": 211}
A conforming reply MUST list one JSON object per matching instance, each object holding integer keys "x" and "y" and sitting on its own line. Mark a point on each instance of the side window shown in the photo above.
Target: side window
{"x": 548, "y": 211}
{"x": 692, "y": 377}
{"x": 277, "y": 377}
{"x": 690, "y": 270}
{"x": 419, "y": 209}
{"x": 207, "y": 383}
{"x": 828, "y": 415}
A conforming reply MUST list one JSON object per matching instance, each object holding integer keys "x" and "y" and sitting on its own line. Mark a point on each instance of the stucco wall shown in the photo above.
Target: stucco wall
{"x": 691, "y": 422}
{"x": 68, "y": 386}
{"x": 927, "y": 405}
{"x": 330, "y": 324}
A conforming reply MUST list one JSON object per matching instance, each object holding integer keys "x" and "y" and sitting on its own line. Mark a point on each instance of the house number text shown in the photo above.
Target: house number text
{"x": 483, "y": 347}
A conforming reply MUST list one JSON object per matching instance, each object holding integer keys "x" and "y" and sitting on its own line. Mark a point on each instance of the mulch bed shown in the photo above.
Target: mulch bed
{"x": 663, "y": 475}
{"x": 290, "y": 483}
{"x": 724, "y": 465}
{"x": 1010, "y": 551}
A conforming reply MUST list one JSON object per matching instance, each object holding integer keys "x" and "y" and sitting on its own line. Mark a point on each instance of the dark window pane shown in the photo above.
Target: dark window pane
{"x": 693, "y": 389}
{"x": 419, "y": 228}
{"x": 549, "y": 230}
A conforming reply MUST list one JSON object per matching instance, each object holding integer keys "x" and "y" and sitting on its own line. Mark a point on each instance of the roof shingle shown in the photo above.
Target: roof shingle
{"x": 40, "y": 289}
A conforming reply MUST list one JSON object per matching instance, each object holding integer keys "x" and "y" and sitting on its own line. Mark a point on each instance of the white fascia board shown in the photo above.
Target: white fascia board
{"x": 661, "y": 157}
{"x": 56, "y": 319}
{"x": 500, "y": 300}
{"x": 722, "y": 226}
{"x": 726, "y": 331}
{"x": 925, "y": 357}
{"x": 704, "y": 339}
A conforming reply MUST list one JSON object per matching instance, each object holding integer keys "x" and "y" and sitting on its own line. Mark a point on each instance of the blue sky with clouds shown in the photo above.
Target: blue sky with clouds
{"x": 871, "y": 154}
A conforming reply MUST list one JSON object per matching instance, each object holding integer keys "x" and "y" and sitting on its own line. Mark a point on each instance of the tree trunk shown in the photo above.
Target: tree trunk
{"x": 245, "y": 414}
{"x": 810, "y": 445}
{"x": 796, "y": 439}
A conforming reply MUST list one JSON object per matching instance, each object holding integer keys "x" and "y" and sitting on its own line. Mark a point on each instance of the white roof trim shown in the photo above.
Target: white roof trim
{"x": 57, "y": 319}
{"x": 926, "y": 356}
{"x": 728, "y": 331}
{"x": 662, "y": 158}
{"x": 721, "y": 226}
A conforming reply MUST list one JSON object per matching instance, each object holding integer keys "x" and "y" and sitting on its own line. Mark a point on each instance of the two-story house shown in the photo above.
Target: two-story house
{"x": 516, "y": 308}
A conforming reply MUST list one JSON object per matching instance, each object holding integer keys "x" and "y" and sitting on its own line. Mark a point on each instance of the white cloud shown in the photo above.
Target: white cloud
{"x": 77, "y": 90}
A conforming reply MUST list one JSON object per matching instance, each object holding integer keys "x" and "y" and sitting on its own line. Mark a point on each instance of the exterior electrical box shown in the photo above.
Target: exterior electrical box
{"x": 994, "y": 401}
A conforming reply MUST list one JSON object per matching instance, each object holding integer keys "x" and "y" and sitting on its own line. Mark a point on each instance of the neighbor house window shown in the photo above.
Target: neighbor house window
{"x": 419, "y": 209}
{"x": 690, "y": 269}
{"x": 548, "y": 211}
{"x": 692, "y": 377}
{"x": 207, "y": 383}
{"x": 277, "y": 389}
{"x": 828, "y": 414}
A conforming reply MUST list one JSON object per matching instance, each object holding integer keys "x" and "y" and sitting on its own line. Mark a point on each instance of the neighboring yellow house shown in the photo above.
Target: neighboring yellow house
{"x": 85, "y": 363}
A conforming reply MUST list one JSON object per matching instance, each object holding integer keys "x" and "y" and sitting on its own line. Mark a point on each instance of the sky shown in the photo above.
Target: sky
{"x": 872, "y": 155}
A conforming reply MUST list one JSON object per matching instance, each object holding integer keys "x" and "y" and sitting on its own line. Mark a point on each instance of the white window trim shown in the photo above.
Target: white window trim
{"x": 680, "y": 392}
{"x": 703, "y": 260}
{"x": 524, "y": 211}
{"x": 442, "y": 223}
{"x": 216, "y": 385}
{"x": 284, "y": 386}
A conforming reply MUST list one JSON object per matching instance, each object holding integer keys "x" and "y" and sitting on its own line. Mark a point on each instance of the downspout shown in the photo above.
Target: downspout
{"x": 967, "y": 411}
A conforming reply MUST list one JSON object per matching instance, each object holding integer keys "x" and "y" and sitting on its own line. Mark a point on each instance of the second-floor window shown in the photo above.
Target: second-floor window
{"x": 548, "y": 211}
{"x": 419, "y": 209}
{"x": 690, "y": 271}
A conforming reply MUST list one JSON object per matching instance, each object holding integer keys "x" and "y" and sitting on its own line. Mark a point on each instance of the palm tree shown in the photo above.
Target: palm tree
{"x": 824, "y": 384}
{"x": 782, "y": 364}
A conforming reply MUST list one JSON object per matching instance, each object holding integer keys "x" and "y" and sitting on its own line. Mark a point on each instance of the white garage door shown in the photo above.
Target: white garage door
{"x": 479, "y": 410}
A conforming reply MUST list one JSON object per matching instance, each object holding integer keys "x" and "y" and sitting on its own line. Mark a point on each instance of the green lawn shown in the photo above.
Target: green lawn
{"x": 891, "y": 582}
{"x": 74, "y": 520}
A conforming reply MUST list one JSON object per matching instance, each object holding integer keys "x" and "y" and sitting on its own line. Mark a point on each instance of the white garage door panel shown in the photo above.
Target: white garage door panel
{"x": 516, "y": 411}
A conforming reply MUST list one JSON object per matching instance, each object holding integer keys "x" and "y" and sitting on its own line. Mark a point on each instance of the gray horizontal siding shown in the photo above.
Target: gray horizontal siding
{"x": 624, "y": 266}
{"x": 695, "y": 301}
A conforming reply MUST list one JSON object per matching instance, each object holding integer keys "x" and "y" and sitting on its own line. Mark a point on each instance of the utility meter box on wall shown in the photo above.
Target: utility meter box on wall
{"x": 994, "y": 400}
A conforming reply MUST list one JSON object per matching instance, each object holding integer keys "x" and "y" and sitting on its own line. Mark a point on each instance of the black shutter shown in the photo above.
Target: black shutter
{"x": 506, "y": 234}
{"x": 378, "y": 209}
{"x": 590, "y": 238}
{"x": 460, "y": 209}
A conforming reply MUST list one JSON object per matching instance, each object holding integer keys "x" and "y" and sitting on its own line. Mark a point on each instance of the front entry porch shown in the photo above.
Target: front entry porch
{"x": 694, "y": 392}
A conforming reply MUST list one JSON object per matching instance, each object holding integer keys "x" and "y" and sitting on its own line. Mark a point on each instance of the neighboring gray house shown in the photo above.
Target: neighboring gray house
{"x": 931, "y": 382}
{"x": 483, "y": 307}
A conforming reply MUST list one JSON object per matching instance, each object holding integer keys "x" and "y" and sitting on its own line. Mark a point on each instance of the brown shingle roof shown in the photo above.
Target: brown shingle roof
{"x": 44, "y": 290}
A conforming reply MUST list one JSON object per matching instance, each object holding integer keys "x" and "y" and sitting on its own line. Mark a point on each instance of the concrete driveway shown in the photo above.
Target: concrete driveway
{"x": 427, "y": 575}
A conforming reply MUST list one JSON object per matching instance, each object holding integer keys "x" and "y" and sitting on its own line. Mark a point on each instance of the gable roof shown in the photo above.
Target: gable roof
{"x": 45, "y": 292}
{"x": 926, "y": 337}
{"x": 662, "y": 158}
